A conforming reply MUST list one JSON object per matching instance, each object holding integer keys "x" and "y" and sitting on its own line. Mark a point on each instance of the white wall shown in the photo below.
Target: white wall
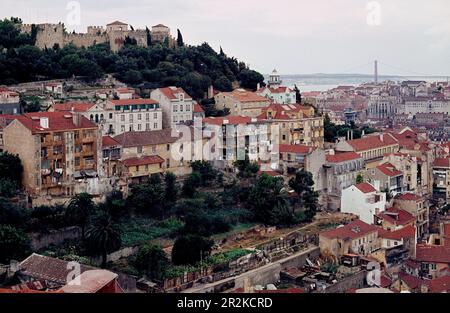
{"x": 356, "y": 202}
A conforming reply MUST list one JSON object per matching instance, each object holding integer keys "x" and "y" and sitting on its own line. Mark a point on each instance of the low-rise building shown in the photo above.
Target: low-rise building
{"x": 177, "y": 106}
{"x": 389, "y": 178}
{"x": 441, "y": 177}
{"x": 9, "y": 101}
{"x": 418, "y": 207}
{"x": 354, "y": 238}
{"x": 242, "y": 102}
{"x": 341, "y": 171}
{"x": 372, "y": 147}
{"x": 282, "y": 95}
{"x": 363, "y": 200}
{"x": 393, "y": 219}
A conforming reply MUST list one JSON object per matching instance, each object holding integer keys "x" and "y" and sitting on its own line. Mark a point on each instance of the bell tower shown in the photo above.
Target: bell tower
{"x": 274, "y": 80}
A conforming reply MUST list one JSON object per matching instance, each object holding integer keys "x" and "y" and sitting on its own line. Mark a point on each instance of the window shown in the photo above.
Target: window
{"x": 181, "y": 108}
{"x": 155, "y": 116}
{"x": 168, "y": 147}
{"x": 175, "y": 108}
{"x": 110, "y": 116}
{"x": 139, "y": 117}
{"x": 122, "y": 118}
{"x": 188, "y": 108}
{"x": 122, "y": 128}
{"x": 139, "y": 127}
{"x": 168, "y": 163}
{"x": 147, "y": 126}
{"x": 131, "y": 118}
{"x": 77, "y": 161}
{"x": 155, "y": 125}
{"x": 147, "y": 116}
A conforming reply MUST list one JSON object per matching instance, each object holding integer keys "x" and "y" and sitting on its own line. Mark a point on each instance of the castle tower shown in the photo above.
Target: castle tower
{"x": 274, "y": 80}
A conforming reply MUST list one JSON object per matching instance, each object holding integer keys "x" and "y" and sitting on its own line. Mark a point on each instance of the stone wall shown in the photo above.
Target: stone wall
{"x": 117, "y": 255}
{"x": 356, "y": 281}
{"x": 39, "y": 240}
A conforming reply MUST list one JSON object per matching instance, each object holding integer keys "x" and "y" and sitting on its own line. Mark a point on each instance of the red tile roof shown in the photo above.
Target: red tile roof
{"x": 146, "y": 138}
{"x": 355, "y": 229}
{"x": 343, "y": 157}
{"x": 172, "y": 92}
{"x": 408, "y": 197}
{"x": 403, "y": 233}
{"x": 73, "y": 106}
{"x": 432, "y": 253}
{"x": 108, "y": 141}
{"x": 280, "y": 111}
{"x": 389, "y": 170}
{"x": 410, "y": 280}
{"x": 57, "y": 121}
{"x": 365, "y": 187}
{"x": 242, "y": 95}
{"x": 146, "y": 160}
{"x": 133, "y": 101}
{"x": 442, "y": 162}
{"x": 198, "y": 108}
{"x": 299, "y": 149}
{"x": 372, "y": 142}
{"x": 397, "y": 216}
{"x": 228, "y": 120}
{"x": 439, "y": 285}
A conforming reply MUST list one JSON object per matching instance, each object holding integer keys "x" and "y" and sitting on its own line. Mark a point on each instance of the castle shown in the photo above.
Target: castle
{"x": 115, "y": 34}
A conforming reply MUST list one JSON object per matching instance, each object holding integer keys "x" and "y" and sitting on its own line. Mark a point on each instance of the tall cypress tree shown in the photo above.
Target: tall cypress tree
{"x": 180, "y": 41}
{"x": 149, "y": 37}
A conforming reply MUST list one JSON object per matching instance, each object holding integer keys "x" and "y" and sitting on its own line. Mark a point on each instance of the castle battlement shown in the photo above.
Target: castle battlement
{"x": 49, "y": 34}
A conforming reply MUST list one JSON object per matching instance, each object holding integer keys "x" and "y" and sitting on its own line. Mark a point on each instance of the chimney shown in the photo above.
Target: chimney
{"x": 382, "y": 137}
{"x": 43, "y": 122}
{"x": 258, "y": 86}
{"x": 76, "y": 118}
{"x": 332, "y": 152}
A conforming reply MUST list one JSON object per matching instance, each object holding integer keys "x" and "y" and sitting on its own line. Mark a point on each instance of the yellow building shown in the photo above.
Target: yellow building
{"x": 242, "y": 102}
{"x": 297, "y": 124}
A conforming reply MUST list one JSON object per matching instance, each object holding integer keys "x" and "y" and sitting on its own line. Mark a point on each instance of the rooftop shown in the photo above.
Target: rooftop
{"x": 57, "y": 121}
{"x": 343, "y": 157}
{"x": 146, "y": 138}
{"x": 173, "y": 92}
{"x": 442, "y": 162}
{"x": 73, "y": 106}
{"x": 365, "y": 187}
{"x": 355, "y": 229}
{"x": 242, "y": 95}
{"x": 372, "y": 142}
{"x": 298, "y": 149}
{"x": 397, "y": 216}
{"x": 146, "y": 160}
{"x": 389, "y": 170}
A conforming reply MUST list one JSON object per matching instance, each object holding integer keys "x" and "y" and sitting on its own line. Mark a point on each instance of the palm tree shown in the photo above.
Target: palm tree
{"x": 103, "y": 236}
{"x": 79, "y": 210}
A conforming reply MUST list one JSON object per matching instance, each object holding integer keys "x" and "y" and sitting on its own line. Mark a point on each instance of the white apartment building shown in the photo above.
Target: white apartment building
{"x": 363, "y": 200}
{"x": 177, "y": 106}
{"x": 133, "y": 115}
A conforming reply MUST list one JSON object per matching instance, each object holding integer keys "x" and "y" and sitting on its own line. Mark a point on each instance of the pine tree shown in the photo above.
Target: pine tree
{"x": 221, "y": 52}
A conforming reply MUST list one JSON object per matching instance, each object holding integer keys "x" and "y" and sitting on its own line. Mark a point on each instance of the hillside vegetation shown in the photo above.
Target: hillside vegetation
{"x": 194, "y": 68}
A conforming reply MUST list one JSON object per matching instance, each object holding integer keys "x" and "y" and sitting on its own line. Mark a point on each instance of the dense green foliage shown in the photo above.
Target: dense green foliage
{"x": 103, "y": 236}
{"x": 80, "y": 209}
{"x": 193, "y": 68}
{"x": 11, "y": 168}
{"x": 333, "y": 131}
{"x": 152, "y": 261}
{"x": 303, "y": 184}
{"x": 190, "y": 249}
{"x": 14, "y": 244}
{"x": 268, "y": 200}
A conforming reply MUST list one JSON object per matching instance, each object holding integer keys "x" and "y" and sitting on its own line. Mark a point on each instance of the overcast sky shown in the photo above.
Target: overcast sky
{"x": 295, "y": 36}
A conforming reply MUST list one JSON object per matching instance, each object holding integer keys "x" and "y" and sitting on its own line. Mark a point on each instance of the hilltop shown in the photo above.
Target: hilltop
{"x": 194, "y": 68}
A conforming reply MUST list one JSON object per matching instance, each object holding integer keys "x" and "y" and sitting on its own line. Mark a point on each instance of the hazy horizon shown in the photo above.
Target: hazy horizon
{"x": 409, "y": 38}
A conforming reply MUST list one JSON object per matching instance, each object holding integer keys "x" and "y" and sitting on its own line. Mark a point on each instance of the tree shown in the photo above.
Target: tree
{"x": 12, "y": 214}
{"x": 191, "y": 184}
{"x": 171, "y": 188}
{"x": 115, "y": 204}
{"x": 14, "y": 244}
{"x": 359, "y": 179}
{"x": 148, "y": 198}
{"x": 152, "y": 260}
{"x": 298, "y": 95}
{"x": 223, "y": 84}
{"x": 11, "y": 168}
{"x": 190, "y": 249}
{"x": 268, "y": 200}
{"x": 303, "y": 184}
{"x": 149, "y": 37}
{"x": 180, "y": 42}
{"x": 250, "y": 79}
{"x": 8, "y": 188}
{"x": 246, "y": 168}
{"x": 103, "y": 236}
{"x": 79, "y": 211}
{"x": 202, "y": 223}
{"x": 33, "y": 104}
{"x": 221, "y": 53}
{"x": 206, "y": 171}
